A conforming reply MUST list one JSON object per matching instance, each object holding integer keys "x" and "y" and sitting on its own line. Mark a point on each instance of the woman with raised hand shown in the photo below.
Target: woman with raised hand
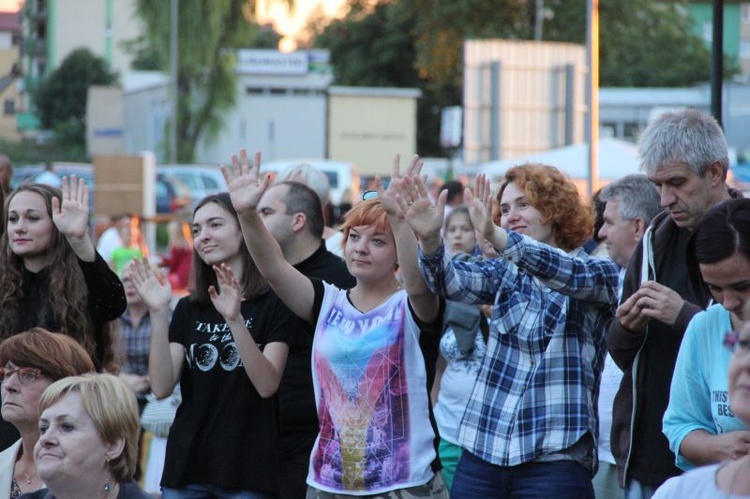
{"x": 52, "y": 276}
{"x": 530, "y": 427}
{"x": 369, "y": 374}
{"x": 227, "y": 345}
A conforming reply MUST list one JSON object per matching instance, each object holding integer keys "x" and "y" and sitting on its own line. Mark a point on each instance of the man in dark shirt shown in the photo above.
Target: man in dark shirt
{"x": 293, "y": 215}
{"x": 685, "y": 155}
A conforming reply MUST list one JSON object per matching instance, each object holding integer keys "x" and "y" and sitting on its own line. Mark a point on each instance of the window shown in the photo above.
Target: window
{"x": 9, "y": 107}
{"x": 745, "y": 49}
{"x": 210, "y": 183}
{"x": 745, "y": 12}
{"x": 631, "y": 131}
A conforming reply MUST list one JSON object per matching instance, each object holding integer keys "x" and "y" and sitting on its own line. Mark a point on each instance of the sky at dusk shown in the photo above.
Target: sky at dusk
{"x": 8, "y": 5}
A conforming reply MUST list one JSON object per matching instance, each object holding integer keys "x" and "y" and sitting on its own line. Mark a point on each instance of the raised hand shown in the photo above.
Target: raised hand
{"x": 388, "y": 196}
{"x": 244, "y": 182}
{"x": 425, "y": 218}
{"x": 71, "y": 217}
{"x": 480, "y": 206}
{"x": 152, "y": 286}
{"x": 227, "y": 298}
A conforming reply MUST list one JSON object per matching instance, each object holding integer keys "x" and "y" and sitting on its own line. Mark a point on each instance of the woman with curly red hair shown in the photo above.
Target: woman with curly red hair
{"x": 530, "y": 427}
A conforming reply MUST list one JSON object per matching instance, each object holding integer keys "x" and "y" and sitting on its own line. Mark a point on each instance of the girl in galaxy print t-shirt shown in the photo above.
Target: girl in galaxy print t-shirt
{"x": 369, "y": 374}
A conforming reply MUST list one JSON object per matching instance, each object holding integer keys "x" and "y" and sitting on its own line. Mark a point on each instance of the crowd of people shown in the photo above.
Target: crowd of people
{"x": 465, "y": 342}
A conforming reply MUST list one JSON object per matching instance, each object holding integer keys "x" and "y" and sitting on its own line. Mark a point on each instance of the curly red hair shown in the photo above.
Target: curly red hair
{"x": 551, "y": 192}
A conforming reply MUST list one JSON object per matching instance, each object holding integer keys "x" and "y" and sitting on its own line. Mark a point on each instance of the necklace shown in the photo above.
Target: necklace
{"x": 26, "y": 477}
{"x": 364, "y": 306}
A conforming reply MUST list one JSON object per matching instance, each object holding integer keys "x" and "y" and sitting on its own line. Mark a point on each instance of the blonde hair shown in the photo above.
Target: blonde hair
{"x": 112, "y": 407}
{"x": 179, "y": 234}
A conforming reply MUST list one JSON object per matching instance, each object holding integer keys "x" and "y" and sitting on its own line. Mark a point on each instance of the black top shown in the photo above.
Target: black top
{"x": 224, "y": 433}
{"x": 128, "y": 490}
{"x": 650, "y": 460}
{"x": 299, "y": 416}
{"x": 106, "y": 297}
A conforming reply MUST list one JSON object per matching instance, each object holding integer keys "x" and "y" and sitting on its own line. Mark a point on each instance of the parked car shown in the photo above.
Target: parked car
{"x": 31, "y": 173}
{"x": 172, "y": 195}
{"x": 201, "y": 180}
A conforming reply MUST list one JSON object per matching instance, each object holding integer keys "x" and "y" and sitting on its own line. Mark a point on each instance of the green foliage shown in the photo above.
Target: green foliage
{"x": 372, "y": 47}
{"x": 23, "y": 153}
{"x": 419, "y": 43}
{"x": 642, "y": 43}
{"x": 206, "y": 81}
{"x": 61, "y": 98}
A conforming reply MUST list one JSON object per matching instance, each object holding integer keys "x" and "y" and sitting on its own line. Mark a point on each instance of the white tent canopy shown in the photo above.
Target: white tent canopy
{"x": 617, "y": 158}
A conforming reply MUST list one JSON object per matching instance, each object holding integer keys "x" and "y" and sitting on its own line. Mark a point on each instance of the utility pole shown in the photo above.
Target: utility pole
{"x": 592, "y": 85}
{"x": 173, "y": 51}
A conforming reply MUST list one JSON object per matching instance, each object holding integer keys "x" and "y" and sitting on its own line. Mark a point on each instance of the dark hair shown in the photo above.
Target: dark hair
{"x": 598, "y": 206}
{"x": 68, "y": 301}
{"x": 302, "y": 199}
{"x": 454, "y": 188}
{"x": 56, "y": 355}
{"x": 2, "y": 210}
{"x": 552, "y": 193}
{"x": 723, "y": 231}
{"x": 253, "y": 283}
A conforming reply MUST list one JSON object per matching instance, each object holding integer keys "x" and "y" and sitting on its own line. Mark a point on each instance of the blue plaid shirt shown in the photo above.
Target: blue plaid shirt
{"x": 536, "y": 391}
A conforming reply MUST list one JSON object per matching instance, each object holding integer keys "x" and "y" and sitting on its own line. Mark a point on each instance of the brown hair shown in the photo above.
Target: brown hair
{"x": 253, "y": 283}
{"x": 556, "y": 197}
{"x": 368, "y": 212}
{"x": 68, "y": 296}
{"x": 56, "y": 355}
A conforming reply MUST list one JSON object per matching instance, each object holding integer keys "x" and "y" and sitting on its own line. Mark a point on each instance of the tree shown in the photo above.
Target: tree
{"x": 207, "y": 30}
{"x": 420, "y": 43}
{"x": 61, "y": 98}
{"x": 413, "y": 43}
{"x": 642, "y": 43}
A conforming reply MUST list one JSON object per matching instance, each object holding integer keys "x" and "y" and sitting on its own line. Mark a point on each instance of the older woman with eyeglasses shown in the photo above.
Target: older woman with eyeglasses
{"x": 31, "y": 361}
{"x": 699, "y": 423}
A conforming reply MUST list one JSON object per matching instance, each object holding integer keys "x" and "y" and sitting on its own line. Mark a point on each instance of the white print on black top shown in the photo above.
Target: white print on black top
{"x": 220, "y": 347}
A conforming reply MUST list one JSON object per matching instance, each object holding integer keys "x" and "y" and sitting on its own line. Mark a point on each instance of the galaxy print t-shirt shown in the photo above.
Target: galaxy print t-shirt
{"x": 370, "y": 388}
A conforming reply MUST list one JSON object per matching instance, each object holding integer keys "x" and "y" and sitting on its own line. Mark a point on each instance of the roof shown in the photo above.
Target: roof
{"x": 617, "y": 158}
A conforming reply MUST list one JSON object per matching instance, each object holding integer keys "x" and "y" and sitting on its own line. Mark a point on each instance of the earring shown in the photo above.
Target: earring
{"x": 107, "y": 486}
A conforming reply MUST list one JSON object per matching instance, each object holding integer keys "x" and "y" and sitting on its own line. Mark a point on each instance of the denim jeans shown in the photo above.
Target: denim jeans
{"x": 204, "y": 491}
{"x": 478, "y": 479}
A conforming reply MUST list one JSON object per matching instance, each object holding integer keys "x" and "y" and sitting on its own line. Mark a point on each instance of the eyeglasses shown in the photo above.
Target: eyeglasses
{"x": 25, "y": 374}
{"x": 735, "y": 344}
{"x": 367, "y": 195}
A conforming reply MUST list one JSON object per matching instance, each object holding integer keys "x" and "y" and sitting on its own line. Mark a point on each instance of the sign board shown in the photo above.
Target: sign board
{"x": 451, "y": 126}
{"x": 271, "y": 62}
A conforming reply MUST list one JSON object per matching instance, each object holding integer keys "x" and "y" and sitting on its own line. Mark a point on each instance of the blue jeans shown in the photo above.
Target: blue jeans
{"x": 478, "y": 479}
{"x": 205, "y": 491}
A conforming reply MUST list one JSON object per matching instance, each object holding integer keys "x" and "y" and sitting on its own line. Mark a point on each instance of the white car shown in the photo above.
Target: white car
{"x": 202, "y": 180}
{"x": 342, "y": 175}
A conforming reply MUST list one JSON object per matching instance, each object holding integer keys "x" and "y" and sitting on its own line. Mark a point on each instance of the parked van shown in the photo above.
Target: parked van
{"x": 342, "y": 175}
{"x": 202, "y": 180}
